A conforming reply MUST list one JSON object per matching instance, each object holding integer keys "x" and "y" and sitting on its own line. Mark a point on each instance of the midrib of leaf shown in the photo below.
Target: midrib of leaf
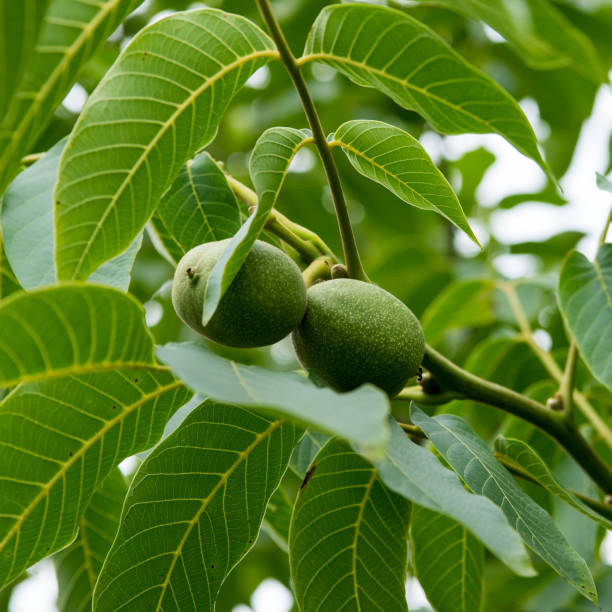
{"x": 222, "y": 481}
{"x": 395, "y": 177}
{"x": 362, "y": 505}
{"x": 310, "y": 57}
{"x": 492, "y": 477}
{"x": 164, "y": 126}
{"x": 81, "y": 451}
{"x": 602, "y": 280}
{"x": 58, "y": 71}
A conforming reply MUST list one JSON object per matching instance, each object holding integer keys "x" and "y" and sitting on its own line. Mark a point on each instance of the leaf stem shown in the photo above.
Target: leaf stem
{"x": 349, "y": 246}
{"x": 550, "y": 364}
{"x": 319, "y": 269}
{"x": 566, "y": 388}
{"x": 417, "y": 394}
{"x": 553, "y": 423}
{"x": 604, "y": 233}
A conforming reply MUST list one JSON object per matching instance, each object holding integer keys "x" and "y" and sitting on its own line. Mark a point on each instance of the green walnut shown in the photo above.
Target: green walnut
{"x": 355, "y": 333}
{"x": 265, "y": 301}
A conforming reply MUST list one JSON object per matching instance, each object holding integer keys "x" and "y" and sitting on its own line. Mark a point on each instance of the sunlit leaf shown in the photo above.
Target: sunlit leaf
{"x": 585, "y": 299}
{"x": 159, "y": 103}
{"x": 526, "y": 460}
{"x": 198, "y": 207}
{"x": 412, "y": 471}
{"x": 542, "y": 36}
{"x": 71, "y": 33}
{"x": 470, "y": 457}
{"x": 347, "y": 543}
{"x": 396, "y": 160}
{"x": 268, "y": 166}
{"x": 194, "y": 509}
{"x": 449, "y": 561}
{"x": 58, "y": 440}
{"x": 359, "y": 416}
{"x": 77, "y": 567}
{"x": 71, "y": 329}
{"x": 386, "y": 49}
{"x": 27, "y": 221}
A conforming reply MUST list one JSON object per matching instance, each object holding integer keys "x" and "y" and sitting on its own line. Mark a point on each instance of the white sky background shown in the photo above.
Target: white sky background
{"x": 511, "y": 173}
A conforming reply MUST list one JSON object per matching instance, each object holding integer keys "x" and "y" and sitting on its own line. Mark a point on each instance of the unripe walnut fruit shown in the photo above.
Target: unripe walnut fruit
{"x": 265, "y": 301}
{"x": 355, "y": 333}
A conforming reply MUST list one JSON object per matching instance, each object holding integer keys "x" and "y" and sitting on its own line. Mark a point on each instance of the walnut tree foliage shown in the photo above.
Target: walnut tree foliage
{"x": 303, "y": 123}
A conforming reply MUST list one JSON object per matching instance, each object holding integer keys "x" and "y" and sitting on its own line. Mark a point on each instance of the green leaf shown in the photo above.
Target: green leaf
{"x": 8, "y": 281}
{"x": 71, "y": 33}
{"x": 77, "y": 567}
{"x": 347, "y": 543}
{"x": 526, "y": 460}
{"x": 194, "y": 509}
{"x": 20, "y": 24}
{"x": 470, "y": 457}
{"x": 359, "y": 416}
{"x": 551, "y": 250}
{"x": 159, "y": 103}
{"x": 603, "y": 183}
{"x": 58, "y": 440}
{"x": 306, "y": 450}
{"x": 69, "y": 330}
{"x": 268, "y": 166}
{"x": 585, "y": 299}
{"x": 462, "y": 304}
{"x": 278, "y": 518}
{"x": 27, "y": 220}
{"x": 199, "y": 207}
{"x": 449, "y": 561}
{"x": 396, "y": 54}
{"x": 396, "y": 160}
{"x": 541, "y": 35}
{"x": 412, "y": 471}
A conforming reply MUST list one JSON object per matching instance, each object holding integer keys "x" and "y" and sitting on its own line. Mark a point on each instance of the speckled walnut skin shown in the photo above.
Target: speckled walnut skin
{"x": 265, "y": 301}
{"x": 355, "y": 333}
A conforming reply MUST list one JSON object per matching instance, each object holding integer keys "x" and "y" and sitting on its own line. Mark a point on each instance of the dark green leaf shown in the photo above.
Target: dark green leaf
{"x": 194, "y": 509}
{"x": 470, "y": 457}
{"x": 347, "y": 543}
{"x": 159, "y": 103}
{"x": 412, "y": 471}
{"x": 199, "y": 207}
{"x": 585, "y": 299}
{"x": 78, "y": 566}
{"x": 449, "y": 561}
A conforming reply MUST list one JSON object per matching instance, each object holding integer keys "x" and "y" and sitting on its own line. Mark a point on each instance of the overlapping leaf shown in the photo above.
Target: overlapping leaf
{"x": 306, "y": 450}
{"x": 396, "y": 160}
{"x": 20, "y": 24}
{"x": 27, "y": 221}
{"x": 71, "y": 33}
{"x": 348, "y": 537}
{"x": 412, "y": 471}
{"x": 58, "y": 440}
{"x": 158, "y": 104}
{"x": 527, "y": 461}
{"x": 8, "y": 281}
{"x": 448, "y": 560}
{"x": 278, "y": 518}
{"x": 268, "y": 167}
{"x": 359, "y": 416}
{"x": 542, "y": 36}
{"x": 71, "y": 329}
{"x": 585, "y": 299}
{"x": 194, "y": 509}
{"x": 384, "y": 48}
{"x": 199, "y": 207}
{"x": 77, "y": 567}
{"x": 461, "y": 304}
{"x": 470, "y": 457}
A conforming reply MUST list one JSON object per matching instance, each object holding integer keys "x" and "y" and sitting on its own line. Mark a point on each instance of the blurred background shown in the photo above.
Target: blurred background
{"x": 524, "y": 224}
